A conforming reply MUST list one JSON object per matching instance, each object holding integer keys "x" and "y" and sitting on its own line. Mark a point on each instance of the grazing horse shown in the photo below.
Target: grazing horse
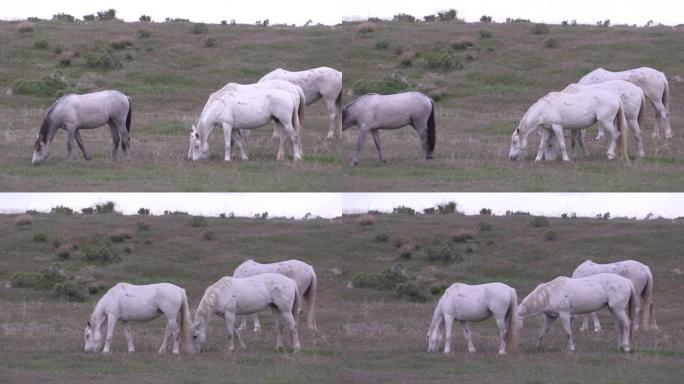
{"x": 563, "y": 297}
{"x": 641, "y": 277}
{"x": 302, "y": 273}
{"x": 652, "y": 82}
{"x": 633, "y": 104}
{"x": 240, "y": 107}
{"x": 317, "y": 83}
{"x": 230, "y": 297}
{"x": 73, "y": 112}
{"x": 127, "y": 302}
{"x": 468, "y": 303}
{"x": 558, "y": 110}
{"x": 373, "y": 112}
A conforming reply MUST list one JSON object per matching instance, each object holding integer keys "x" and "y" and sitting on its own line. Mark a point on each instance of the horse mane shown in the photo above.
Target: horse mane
{"x": 539, "y": 297}
{"x": 351, "y": 103}
{"x": 210, "y": 297}
{"x": 47, "y": 122}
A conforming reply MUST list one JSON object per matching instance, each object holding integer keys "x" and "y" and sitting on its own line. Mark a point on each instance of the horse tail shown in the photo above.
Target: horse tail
{"x": 666, "y": 96}
{"x": 511, "y": 322}
{"x": 310, "y": 295}
{"x": 431, "y": 128}
{"x": 338, "y": 109}
{"x": 436, "y": 327}
{"x": 622, "y": 128}
{"x": 632, "y": 308}
{"x": 647, "y": 302}
{"x": 128, "y": 117}
{"x": 186, "y": 344}
{"x": 295, "y": 303}
{"x": 642, "y": 110}
{"x": 300, "y": 111}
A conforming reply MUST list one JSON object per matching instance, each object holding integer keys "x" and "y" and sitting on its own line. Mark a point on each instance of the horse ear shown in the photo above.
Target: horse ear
{"x": 194, "y": 129}
{"x": 88, "y": 324}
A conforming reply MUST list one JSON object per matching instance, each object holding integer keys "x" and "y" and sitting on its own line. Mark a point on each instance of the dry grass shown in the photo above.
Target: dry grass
{"x": 24, "y": 220}
{"x": 25, "y": 27}
{"x": 365, "y": 220}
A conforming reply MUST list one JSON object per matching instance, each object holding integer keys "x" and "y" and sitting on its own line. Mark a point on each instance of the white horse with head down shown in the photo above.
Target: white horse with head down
{"x": 651, "y": 81}
{"x": 642, "y": 278}
{"x": 317, "y": 83}
{"x": 236, "y": 107}
{"x": 127, "y": 302}
{"x": 302, "y": 273}
{"x": 230, "y": 297}
{"x": 563, "y": 297}
{"x": 468, "y": 303}
{"x": 558, "y": 110}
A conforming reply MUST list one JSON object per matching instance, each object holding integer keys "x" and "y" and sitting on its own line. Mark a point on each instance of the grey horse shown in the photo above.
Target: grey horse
{"x": 372, "y": 112}
{"x": 73, "y": 112}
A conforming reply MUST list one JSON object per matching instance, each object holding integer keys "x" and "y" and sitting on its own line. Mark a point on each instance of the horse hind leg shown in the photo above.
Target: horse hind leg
{"x": 376, "y": 139}
{"x": 288, "y": 319}
{"x": 363, "y": 132}
{"x": 331, "y": 107}
{"x": 115, "y": 140}
{"x": 636, "y": 131}
{"x": 278, "y": 327}
{"x": 172, "y": 325}
{"x": 565, "y": 320}
{"x": 70, "y": 141}
{"x": 614, "y": 135}
{"x": 111, "y": 325}
{"x": 257, "y": 324}
{"x": 129, "y": 336}
{"x": 501, "y": 324}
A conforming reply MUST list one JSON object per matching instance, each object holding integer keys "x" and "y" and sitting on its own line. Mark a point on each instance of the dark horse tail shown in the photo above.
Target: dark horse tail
{"x": 128, "y": 117}
{"x": 431, "y": 130}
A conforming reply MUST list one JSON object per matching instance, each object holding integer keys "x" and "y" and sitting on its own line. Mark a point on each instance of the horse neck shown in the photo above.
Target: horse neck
{"x": 209, "y": 301}
{"x": 99, "y": 314}
{"x": 207, "y": 119}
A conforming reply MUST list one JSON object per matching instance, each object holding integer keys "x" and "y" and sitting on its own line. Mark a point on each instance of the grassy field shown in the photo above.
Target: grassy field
{"x": 366, "y": 335}
{"x": 171, "y": 73}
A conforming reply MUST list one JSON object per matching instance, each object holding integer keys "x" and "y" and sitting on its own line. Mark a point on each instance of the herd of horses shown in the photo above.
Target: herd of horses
{"x": 614, "y": 100}
{"x": 625, "y": 288}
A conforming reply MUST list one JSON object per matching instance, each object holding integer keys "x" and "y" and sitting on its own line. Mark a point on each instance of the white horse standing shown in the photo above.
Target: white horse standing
{"x": 230, "y": 297}
{"x": 302, "y": 273}
{"x": 317, "y": 83}
{"x": 652, "y": 82}
{"x": 127, "y": 302}
{"x": 642, "y": 278}
{"x": 73, "y": 112}
{"x": 468, "y": 303}
{"x": 557, "y": 111}
{"x": 563, "y": 297}
{"x": 237, "y": 107}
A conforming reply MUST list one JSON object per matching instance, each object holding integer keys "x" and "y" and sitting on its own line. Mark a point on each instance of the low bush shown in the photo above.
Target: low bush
{"x": 71, "y": 290}
{"x": 381, "y": 45}
{"x": 102, "y": 60}
{"x": 24, "y": 220}
{"x": 550, "y": 235}
{"x": 442, "y": 252}
{"x": 25, "y": 27}
{"x": 366, "y": 27}
{"x": 142, "y": 226}
{"x": 40, "y": 237}
{"x": 387, "y": 279}
{"x": 406, "y": 251}
{"x": 551, "y": 43}
{"x": 442, "y": 61}
{"x": 462, "y": 44}
{"x": 402, "y": 210}
{"x": 385, "y": 86}
{"x": 64, "y": 251}
{"x": 103, "y": 254}
{"x": 43, "y": 280}
{"x": 540, "y": 221}
{"x": 381, "y": 238}
{"x": 406, "y": 58}
{"x": 485, "y": 34}
{"x": 121, "y": 43}
{"x": 63, "y": 17}
{"x": 365, "y": 220}
{"x": 208, "y": 235}
{"x": 540, "y": 29}
{"x": 485, "y": 211}
{"x": 105, "y": 208}
{"x": 41, "y": 44}
{"x": 413, "y": 291}
{"x": 119, "y": 237}
{"x": 485, "y": 226}
{"x": 144, "y": 33}
{"x": 446, "y": 208}
{"x": 143, "y": 211}
{"x": 198, "y": 221}
{"x": 199, "y": 29}
{"x": 462, "y": 235}
{"x": 210, "y": 42}
{"x": 145, "y": 18}
{"x": 65, "y": 58}
{"x": 88, "y": 211}
{"x": 52, "y": 85}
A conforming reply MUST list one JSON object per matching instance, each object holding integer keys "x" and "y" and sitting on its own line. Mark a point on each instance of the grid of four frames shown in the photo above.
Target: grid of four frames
{"x": 221, "y": 214}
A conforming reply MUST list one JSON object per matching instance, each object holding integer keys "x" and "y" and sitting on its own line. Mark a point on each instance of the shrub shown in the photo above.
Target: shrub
{"x": 40, "y": 44}
{"x": 104, "y": 208}
{"x": 43, "y": 280}
{"x": 109, "y": 14}
{"x": 88, "y": 211}
{"x": 540, "y": 221}
{"x": 446, "y": 208}
{"x": 25, "y": 27}
{"x": 485, "y": 34}
{"x": 61, "y": 210}
{"x": 540, "y": 29}
{"x": 199, "y": 29}
{"x": 53, "y": 85}
{"x": 486, "y": 19}
{"x": 224, "y": 22}
{"x": 24, "y": 220}
{"x": 388, "y": 85}
{"x": 382, "y": 44}
{"x": 550, "y": 235}
{"x": 198, "y": 221}
{"x": 387, "y": 279}
{"x": 366, "y": 220}
{"x": 101, "y": 254}
{"x": 406, "y": 251}
{"x": 429, "y": 211}
{"x": 402, "y": 210}
{"x": 119, "y": 236}
{"x": 63, "y": 17}
{"x": 64, "y": 251}
{"x": 366, "y": 27}
{"x": 381, "y": 238}
{"x": 406, "y": 58}
{"x": 485, "y": 226}
{"x": 143, "y": 226}
{"x": 175, "y": 213}
{"x": 438, "y": 289}
{"x": 443, "y": 253}
{"x": 71, "y": 290}
{"x": 120, "y": 43}
{"x": 413, "y": 291}
{"x": 208, "y": 235}
{"x": 485, "y": 211}
{"x": 442, "y": 61}
{"x": 144, "y": 33}
{"x": 143, "y": 211}
{"x": 462, "y": 235}
{"x": 57, "y": 242}
{"x": 145, "y": 18}
{"x": 65, "y": 58}
{"x": 89, "y": 17}
{"x": 103, "y": 60}
{"x": 429, "y": 18}
{"x": 403, "y": 17}
{"x": 460, "y": 45}
{"x": 40, "y": 237}
{"x": 210, "y": 42}
{"x": 447, "y": 15}
{"x": 551, "y": 43}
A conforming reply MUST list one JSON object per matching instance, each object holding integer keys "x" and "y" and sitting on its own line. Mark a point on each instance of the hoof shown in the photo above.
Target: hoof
{"x": 353, "y": 163}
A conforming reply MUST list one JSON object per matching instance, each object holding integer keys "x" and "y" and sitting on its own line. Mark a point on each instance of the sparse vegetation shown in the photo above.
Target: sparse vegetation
{"x": 105, "y": 208}
{"x": 199, "y": 29}
{"x": 24, "y": 220}
{"x": 121, "y": 43}
{"x": 540, "y": 221}
{"x": 144, "y": 33}
{"x": 198, "y": 221}
{"x": 366, "y": 220}
{"x": 485, "y": 34}
{"x": 366, "y": 27}
{"x": 143, "y": 211}
{"x": 550, "y": 235}
{"x": 142, "y": 226}
{"x": 210, "y": 42}
{"x": 25, "y": 27}
{"x": 462, "y": 235}
{"x": 52, "y": 85}
{"x": 41, "y": 44}
{"x": 551, "y": 43}
{"x": 40, "y": 238}
{"x": 484, "y": 226}
{"x": 105, "y": 61}
{"x": 387, "y": 85}
{"x": 381, "y": 45}
{"x": 403, "y": 210}
{"x": 485, "y": 211}
{"x": 441, "y": 252}
{"x": 381, "y": 238}
{"x": 208, "y": 235}
{"x": 101, "y": 253}
{"x": 540, "y": 29}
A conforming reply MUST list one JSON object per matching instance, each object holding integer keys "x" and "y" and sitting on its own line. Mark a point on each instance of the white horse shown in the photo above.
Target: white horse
{"x": 127, "y": 302}
{"x": 468, "y": 303}
{"x": 73, "y": 112}
{"x": 641, "y": 277}
{"x": 652, "y": 82}
{"x": 563, "y": 297}
{"x": 317, "y": 83}
{"x": 633, "y": 104}
{"x": 238, "y": 107}
{"x": 230, "y": 297}
{"x": 557, "y": 111}
{"x": 302, "y": 273}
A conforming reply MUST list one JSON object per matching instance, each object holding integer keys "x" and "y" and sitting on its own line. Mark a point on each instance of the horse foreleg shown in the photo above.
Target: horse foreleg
{"x": 548, "y": 320}
{"x": 129, "y": 336}
{"x": 614, "y": 137}
{"x": 111, "y": 324}
{"x": 79, "y": 141}
{"x": 115, "y": 140}
{"x": 622, "y": 320}
{"x": 376, "y": 139}
{"x": 230, "y": 328}
{"x": 468, "y": 336}
{"x": 227, "y": 135}
{"x": 70, "y": 141}
{"x": 558, "y": 131}
{"x": 585, "y": 323}
{"x": 288, "y": 319}
{"x": 597, "y": 323}
{"x": 541, "y": 151}
{"x": 501, "y": 324}
{"x": 363, "y": 132}
{"x": 636, "y": 130}
{"x": 565, "y": 320}
{"x": 448, "y": 326}
{"x": 167, "y": 334}
{"x": 257, "y": 324}
{"x": 241, "y": 145}
{"x": 278, "y": 327}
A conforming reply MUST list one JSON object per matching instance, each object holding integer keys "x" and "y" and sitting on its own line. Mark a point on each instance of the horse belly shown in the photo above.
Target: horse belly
{"x": 586, "y": 299}
{"x": 131, "y": 311}
{"x": 245, "y": 116}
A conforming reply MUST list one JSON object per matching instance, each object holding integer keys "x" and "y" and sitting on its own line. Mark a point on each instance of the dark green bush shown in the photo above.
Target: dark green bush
{"x": 462, "y": 235}
{"x": 550, "y": 235}
{"x": 105, "y": 208}
{"x": 402, "y": 210}
{"x": 101, "y": 254}
{"x": 551, "y": 43}
{"x": 387, "y": 279}
{"x": 540, "y": 29}
{"x": 102, "y": 60}
{"x": 382, "y": 44}
{"x": 63, "y": 17}
{"x": 119, "y": 237}
{"x": 120, "y": 44}
{"x": 385, "y": 86}
{"x": 41, "y": 44}
{"x": 143, "y": 211}
{"x": 40, "y": 237}
{"x": 442, "y": 253}
{"x": 413, "y": 291}
{"x": 485, "y": 211}
{"x": 446, "y": 208}
{"x": 144, "y": 33}
{"x": 43, "y": 280}
{"x": 485, "y": 34}
{"x": 199, "y": 29}
{"x": 540, "y": 221}
{"x": 485, "y": 226}
{"x": 210, "y": 42}
{"x": 71, "y": 290}
{"x": 198, "y": 221}
{"x": 145, "y": 18}
{"x": 381, "y": 238}
{"x": 461, "y": 45}
{"x": 88, "y": 211}
{"x": 52, "y": 85}
{"x": 208, "y": 235}
{"x": 406, "y": 251}
{"x": 442, "y": 61}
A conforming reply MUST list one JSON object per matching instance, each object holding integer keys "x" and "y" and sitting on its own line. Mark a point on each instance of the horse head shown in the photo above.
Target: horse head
{"x": 199, "y": 335}
{"x": 197, "y": 150}
{"x": 518, "y": 144}
{"x": 93, "y": 337}
{"x": 41, "y": 149}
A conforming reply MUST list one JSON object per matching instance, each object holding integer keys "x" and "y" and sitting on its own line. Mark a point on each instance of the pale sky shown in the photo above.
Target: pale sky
{"x": 329, "y": 205}
{"x": 638, "y": 12}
